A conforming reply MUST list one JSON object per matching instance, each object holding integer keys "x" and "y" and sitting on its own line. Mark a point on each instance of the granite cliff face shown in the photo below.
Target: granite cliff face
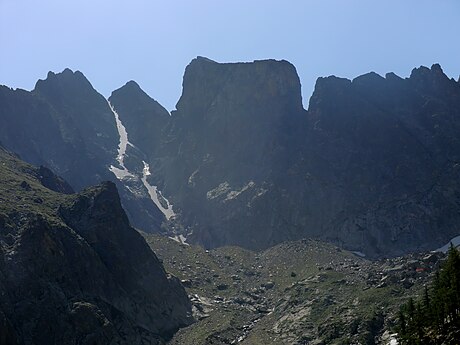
{"x": 371, "y": 166}
{"x": 73, "y": 271}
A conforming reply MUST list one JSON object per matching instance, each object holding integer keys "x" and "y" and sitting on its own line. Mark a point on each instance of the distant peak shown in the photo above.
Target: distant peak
{"x": 66, "y": 77}
{"x": 67, "y": 71}
{"x": 204, "y": 80}
{"x": 425, "y": 71}
{"x": 204, "y": 59}
{"x": 132, "y": 96}
{"x": 437, "y": 68}
{"x": 368, "y": 77}
{"x": 132, "y": 84}
{"x": 131, "y": 88}
{"x": 201, "y": 61}
{"x": 418, "y": 71}
{"x": 392, "y": 76}
{"x": 332, "y": 80}
{"x": 50, "y": 75}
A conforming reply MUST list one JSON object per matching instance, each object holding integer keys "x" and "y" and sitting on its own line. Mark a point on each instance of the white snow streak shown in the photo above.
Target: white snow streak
{"x": 155, "y": 194}
{"x": 455, "y": 241}
{"x": 123, "y": 172}
{"x": 393, "y": 340}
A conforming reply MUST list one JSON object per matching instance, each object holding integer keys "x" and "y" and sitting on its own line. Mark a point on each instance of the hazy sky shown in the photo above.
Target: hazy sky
{"x": 152, "y": 41}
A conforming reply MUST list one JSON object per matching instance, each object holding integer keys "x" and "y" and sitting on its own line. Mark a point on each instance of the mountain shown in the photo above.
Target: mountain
{"x": 372, "y": 165}
{"x": 391, "y": 146}
{"x": 236, "y": 128}
{"x": 72, "y": 270}
{"x": 143, "y": 117}
{"x": 63, "y": 123}
{"x": 67, "y": 126}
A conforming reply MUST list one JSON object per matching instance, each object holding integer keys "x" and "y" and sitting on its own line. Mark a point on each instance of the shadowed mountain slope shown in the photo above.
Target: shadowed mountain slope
{"x": 67, "y": 126}
{"x": 73, "y": 270}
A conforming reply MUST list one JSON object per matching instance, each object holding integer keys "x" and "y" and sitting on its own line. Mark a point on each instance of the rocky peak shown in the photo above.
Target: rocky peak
{"x": 66, "y": 81}
{"x": 85, "y": 122}
{"x": 327, "y": 88}
{"x": 206, "y": 82}
{"x": 329, "y": 85}
{"x": 436, "y": 68}
{"x": 131, "y": 85}
{"x": 67, "y": 126}
{"x": 431, "y": 80}
{"x": 369, "y": 79}
{"x": 143, "y": 117}
{"x": 393, "y": 76}
{"x": 132, "y": 93}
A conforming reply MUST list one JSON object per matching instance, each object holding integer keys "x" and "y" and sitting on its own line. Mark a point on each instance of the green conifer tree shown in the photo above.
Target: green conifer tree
{"x": 435, "y": 317}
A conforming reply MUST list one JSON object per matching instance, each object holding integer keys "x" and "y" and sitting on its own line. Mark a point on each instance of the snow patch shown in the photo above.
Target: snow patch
{"x": 155, "y": 194}
{"x": 235, "y": 193}
{"x": 180, "y": 238}
{"x": 123, "y": 172}
{"x": 221, "y": 189}
{"x": 455, "y": 241}
{"x": 224, "y": 189}
{"x": 393, "y": 340}
{"x": 120, "y": 173}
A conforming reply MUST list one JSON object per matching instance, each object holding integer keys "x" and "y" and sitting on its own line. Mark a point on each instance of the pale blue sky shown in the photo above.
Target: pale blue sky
{"x": 152, "y": 41}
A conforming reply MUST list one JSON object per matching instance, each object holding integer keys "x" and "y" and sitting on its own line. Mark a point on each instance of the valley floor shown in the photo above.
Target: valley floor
{"x": 303, "y": 292}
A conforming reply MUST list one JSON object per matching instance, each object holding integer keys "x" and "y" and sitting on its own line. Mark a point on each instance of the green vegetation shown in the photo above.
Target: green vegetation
{"x": 435, "y": 317}
{"x": 22, "y": 195}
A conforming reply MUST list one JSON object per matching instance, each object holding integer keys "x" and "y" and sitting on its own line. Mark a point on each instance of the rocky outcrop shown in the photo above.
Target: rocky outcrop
{"x": 73, "y": 270}
{"x": 51, "y": 181}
